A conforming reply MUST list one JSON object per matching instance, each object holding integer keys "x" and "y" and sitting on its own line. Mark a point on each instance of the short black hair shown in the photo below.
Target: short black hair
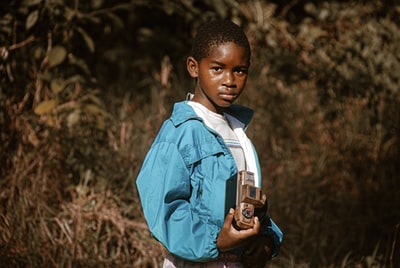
{"x": 216, "y": 33}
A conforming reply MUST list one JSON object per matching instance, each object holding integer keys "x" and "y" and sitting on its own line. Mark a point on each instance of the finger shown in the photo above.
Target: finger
{"x": 247, "y": 233}
{"x": 257, "y": 225}
{"x": 229, "y": 218}
{"x": 251, "y": 231}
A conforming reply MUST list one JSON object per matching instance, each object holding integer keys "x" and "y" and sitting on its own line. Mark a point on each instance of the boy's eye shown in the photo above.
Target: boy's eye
{"x": 217, "y": 69}
{"x": 241, "y": 71}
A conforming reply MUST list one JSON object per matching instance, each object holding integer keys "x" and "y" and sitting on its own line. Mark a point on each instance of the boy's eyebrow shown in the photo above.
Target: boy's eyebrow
{"x": 223, "y": 64}
{"x": 217, "y": 62}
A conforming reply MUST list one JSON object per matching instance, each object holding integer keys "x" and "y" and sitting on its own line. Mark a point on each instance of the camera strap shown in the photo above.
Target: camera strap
{"x": 251, "y": 163}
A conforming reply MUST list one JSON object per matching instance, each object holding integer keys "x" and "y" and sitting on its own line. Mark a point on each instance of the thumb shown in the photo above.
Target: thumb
{"x": 229, "y": 218}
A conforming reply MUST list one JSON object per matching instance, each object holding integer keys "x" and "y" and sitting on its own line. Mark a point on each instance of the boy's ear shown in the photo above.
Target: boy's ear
{"x": 192, "y": 67}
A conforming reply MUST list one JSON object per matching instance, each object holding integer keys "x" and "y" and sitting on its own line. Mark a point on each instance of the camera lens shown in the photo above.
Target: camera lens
{"x": 247, "y": 213}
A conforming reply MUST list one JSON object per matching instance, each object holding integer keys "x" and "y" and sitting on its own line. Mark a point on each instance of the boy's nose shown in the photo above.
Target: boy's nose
{"x": 229, "y": 79}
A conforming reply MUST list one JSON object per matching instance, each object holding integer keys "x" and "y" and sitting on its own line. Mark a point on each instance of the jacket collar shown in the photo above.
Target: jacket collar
{"x": 183, "y": 112}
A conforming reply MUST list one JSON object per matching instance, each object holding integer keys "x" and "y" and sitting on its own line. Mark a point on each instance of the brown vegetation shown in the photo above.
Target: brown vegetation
{"x": 85, "y": 86}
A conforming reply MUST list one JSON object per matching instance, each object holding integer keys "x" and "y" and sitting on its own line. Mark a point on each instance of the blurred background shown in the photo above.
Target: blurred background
{"x": 85, "y": 86}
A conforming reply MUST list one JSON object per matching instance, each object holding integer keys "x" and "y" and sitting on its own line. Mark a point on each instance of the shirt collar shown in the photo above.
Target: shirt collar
{"x": 183, "y": 112}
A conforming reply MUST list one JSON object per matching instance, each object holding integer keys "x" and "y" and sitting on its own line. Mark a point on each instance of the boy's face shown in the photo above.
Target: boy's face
{"x": 221, "y": 77}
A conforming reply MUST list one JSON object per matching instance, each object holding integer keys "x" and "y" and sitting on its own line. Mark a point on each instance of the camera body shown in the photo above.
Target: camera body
{"x": 248, "y": 198}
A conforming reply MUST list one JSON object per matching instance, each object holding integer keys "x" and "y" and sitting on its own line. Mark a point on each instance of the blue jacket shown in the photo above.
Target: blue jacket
{"x": 183, "y": 183}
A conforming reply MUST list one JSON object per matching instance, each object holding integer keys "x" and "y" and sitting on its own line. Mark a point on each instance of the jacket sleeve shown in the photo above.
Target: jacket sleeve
{"x": 269, "y": 228}
{"x": 165, "y": 189}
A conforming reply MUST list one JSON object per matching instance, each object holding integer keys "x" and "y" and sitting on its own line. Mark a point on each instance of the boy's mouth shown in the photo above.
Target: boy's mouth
{"x": 228, "y": 96}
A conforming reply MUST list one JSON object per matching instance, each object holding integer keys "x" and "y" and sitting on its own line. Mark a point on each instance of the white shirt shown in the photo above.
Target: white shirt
{"x": 221, "y": 125}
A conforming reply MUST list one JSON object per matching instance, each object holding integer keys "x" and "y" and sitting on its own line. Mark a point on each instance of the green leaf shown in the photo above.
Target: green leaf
{"x": 118, "y": 22}
{"x": 57, "y": 56}
{"x": 95, "y": 110}
{"x": 96, "y": 4}
{"x": 79, "y": 62}
{"x": 73, "y": 118}
{"x": 168, "y": 7}
{"x": 57, "y": 85}
{"x": 45, "y": 107}
{"x": 86, "y": 37}
{"x": 6, "y": 23}
{"x": 31, "y": 2}
{"x": 31, "y": 19}
{"x": 221, "y": 8}
{"x": 95, "y": 99}
{"x": 74, "y": 79}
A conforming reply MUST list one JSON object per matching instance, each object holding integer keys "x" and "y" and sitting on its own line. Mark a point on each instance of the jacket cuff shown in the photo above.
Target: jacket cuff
{"x": 270, "y": 229}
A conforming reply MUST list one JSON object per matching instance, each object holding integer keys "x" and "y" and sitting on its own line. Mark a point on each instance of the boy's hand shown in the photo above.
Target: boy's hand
{"x": 258, "y": 252}
{"x": 229, "y": 238}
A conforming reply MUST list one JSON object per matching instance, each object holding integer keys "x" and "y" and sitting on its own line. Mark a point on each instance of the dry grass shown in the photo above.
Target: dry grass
{"x": 68, "y": 198}
{"x": 329, "y": 153}
{"x": 60, "y": 208}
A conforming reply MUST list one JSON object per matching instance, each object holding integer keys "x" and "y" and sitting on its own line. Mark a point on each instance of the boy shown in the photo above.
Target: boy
{"x": 182, "y": 182}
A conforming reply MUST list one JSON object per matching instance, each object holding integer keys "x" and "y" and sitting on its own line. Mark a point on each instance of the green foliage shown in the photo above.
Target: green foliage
{"x": 85, "y": 86}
